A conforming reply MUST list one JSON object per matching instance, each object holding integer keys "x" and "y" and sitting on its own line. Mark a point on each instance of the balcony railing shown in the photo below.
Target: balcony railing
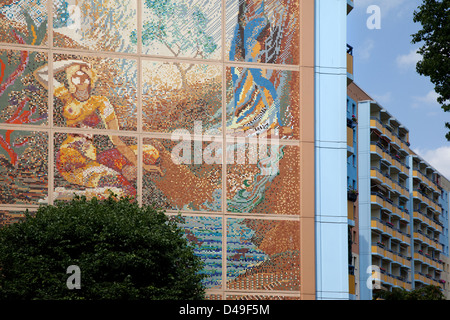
{"x": 391, "y": 231}
{"x": 431, "y": 222}
{"x": 352, "y": 195}
{"x": 394, "y": 134}
{"x": 392, "y": 279}
{"x": 401, "y": 208}
{"x": 349, "y": 64}
{"x": 428, "y": 279}
{"x": 349, "y": 49}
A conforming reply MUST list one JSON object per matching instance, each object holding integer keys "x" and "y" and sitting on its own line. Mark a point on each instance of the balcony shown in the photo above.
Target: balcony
{"x": 375, "y": 123}
{"x": 427, "y": 260}
{"x": 350, "y": 137}
{"x": 351, "y": 284}
{"x": 418, "y": 235}
{"x": 352, "y": 122}
{"x": 420, "y": 194}
{"x": 383, "y": 178}
{"x": 352, "y": 195}
{"x": 392, "y": 280}
{"x": 427, "y": 279}
{"x": 350, "y": 211}
{"x": 349, "y": 64}
{"x": 350, "y": 6}
{"x": 422, "y": 217}
{"x": 383, "y": 202}
{"x": 388, "y": 229}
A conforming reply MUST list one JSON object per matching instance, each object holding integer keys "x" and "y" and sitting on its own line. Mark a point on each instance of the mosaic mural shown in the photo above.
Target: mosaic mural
{"x": 181, "y": 28}
{"x": 93, "y": 165}
{"x": 23, "y": 22}
{"x": 260, "y": 254}
{"x": 176, "y": 95}
{"x": 9, "y": 217}
{"x": 23, "y": 167}
{"x": 23, "y": 100}
{"x": 262, "y": 102}
{"x": 190, "y": 176}
{"x": 263, "y": 254}
{"x": 93, "y": 92}
{"x": 205, "y": 235}
{"x": 260, "y": 297}
{"x": 217, "y": 133}
{"x": 263, "y": 178}
{"x": 263, "y": 31}
{"x": 98, "y": 25}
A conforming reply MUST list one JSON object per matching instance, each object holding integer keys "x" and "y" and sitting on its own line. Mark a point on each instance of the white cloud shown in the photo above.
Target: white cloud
{"x": 386, "y": 6}
{"x": 439, "y": 158}
{"x": 427, "y": 101}
{"x": 384, "y": 98}
{"x": 429, "y": 98}
{"x": 365, "y": 50}
{"x": 409, "y": 60}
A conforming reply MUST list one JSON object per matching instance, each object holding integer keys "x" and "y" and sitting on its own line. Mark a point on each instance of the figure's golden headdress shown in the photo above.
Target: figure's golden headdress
{"x": 70, "y": 71}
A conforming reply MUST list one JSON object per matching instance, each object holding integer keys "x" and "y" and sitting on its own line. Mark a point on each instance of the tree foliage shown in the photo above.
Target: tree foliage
{"x": 434, "y": 16}
{"x": 123, "y": 251}
{"x": 178, "y": 28}
{"x": 428, "y": 292}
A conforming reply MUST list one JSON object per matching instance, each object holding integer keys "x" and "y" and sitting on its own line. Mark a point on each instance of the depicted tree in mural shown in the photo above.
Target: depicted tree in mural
{"x": 61, "y": 17}
{"x": 178, "y": 28}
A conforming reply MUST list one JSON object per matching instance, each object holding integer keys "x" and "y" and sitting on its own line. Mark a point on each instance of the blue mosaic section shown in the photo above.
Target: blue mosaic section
{"x": 205, "y": 234}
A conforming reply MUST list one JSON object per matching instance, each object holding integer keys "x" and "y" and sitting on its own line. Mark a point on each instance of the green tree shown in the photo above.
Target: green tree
{"x": 123, "y": 252}
{"x": 434, "y": 16}
{"x": 428, "y": 292}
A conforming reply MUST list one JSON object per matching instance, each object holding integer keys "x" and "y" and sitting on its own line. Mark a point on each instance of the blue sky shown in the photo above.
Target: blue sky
{"x": 384, "y": 67}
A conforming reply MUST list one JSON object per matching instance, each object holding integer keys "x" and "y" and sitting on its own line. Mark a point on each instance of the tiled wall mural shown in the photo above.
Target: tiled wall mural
{"x": 263, "y": 31}
{"x": 175, "y": 95}
{"x": 192, "y": 105}
{"x": 90, "y": 165}
{"x": 24, "y": 167}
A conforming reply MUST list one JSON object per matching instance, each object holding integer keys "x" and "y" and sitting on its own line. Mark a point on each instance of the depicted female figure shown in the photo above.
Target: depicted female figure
{"x": 77, "y": 159}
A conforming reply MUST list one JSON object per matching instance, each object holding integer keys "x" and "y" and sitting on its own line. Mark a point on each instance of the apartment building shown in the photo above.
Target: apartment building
{"x": 402, "y": 202}
{"x": 84, "y": 79}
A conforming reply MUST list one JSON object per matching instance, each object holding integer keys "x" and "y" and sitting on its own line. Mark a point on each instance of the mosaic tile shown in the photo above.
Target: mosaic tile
{"x": 23, "y": 99}
{"x": 93, "y": 92}
{"x": 263, "y": 31}
{"x": 262, "y": 102}
{"x": 213, "y": 296}
{"x": 98, "y": 25}
{"x": 24, "y": 167}
{"x": 91, "y": 165}
{"x": 182, "y": 28}
{"x": 9, "y": 217}
{"x": 205, "y": 235}
{"x": 23, "y": 22}
{"x": 184, "y": 175}
{"x": 263, "y": 178}
{"x": 175, "y": 95}
{"x": 261, "y": 297}
{"x": 263, "y": 254}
